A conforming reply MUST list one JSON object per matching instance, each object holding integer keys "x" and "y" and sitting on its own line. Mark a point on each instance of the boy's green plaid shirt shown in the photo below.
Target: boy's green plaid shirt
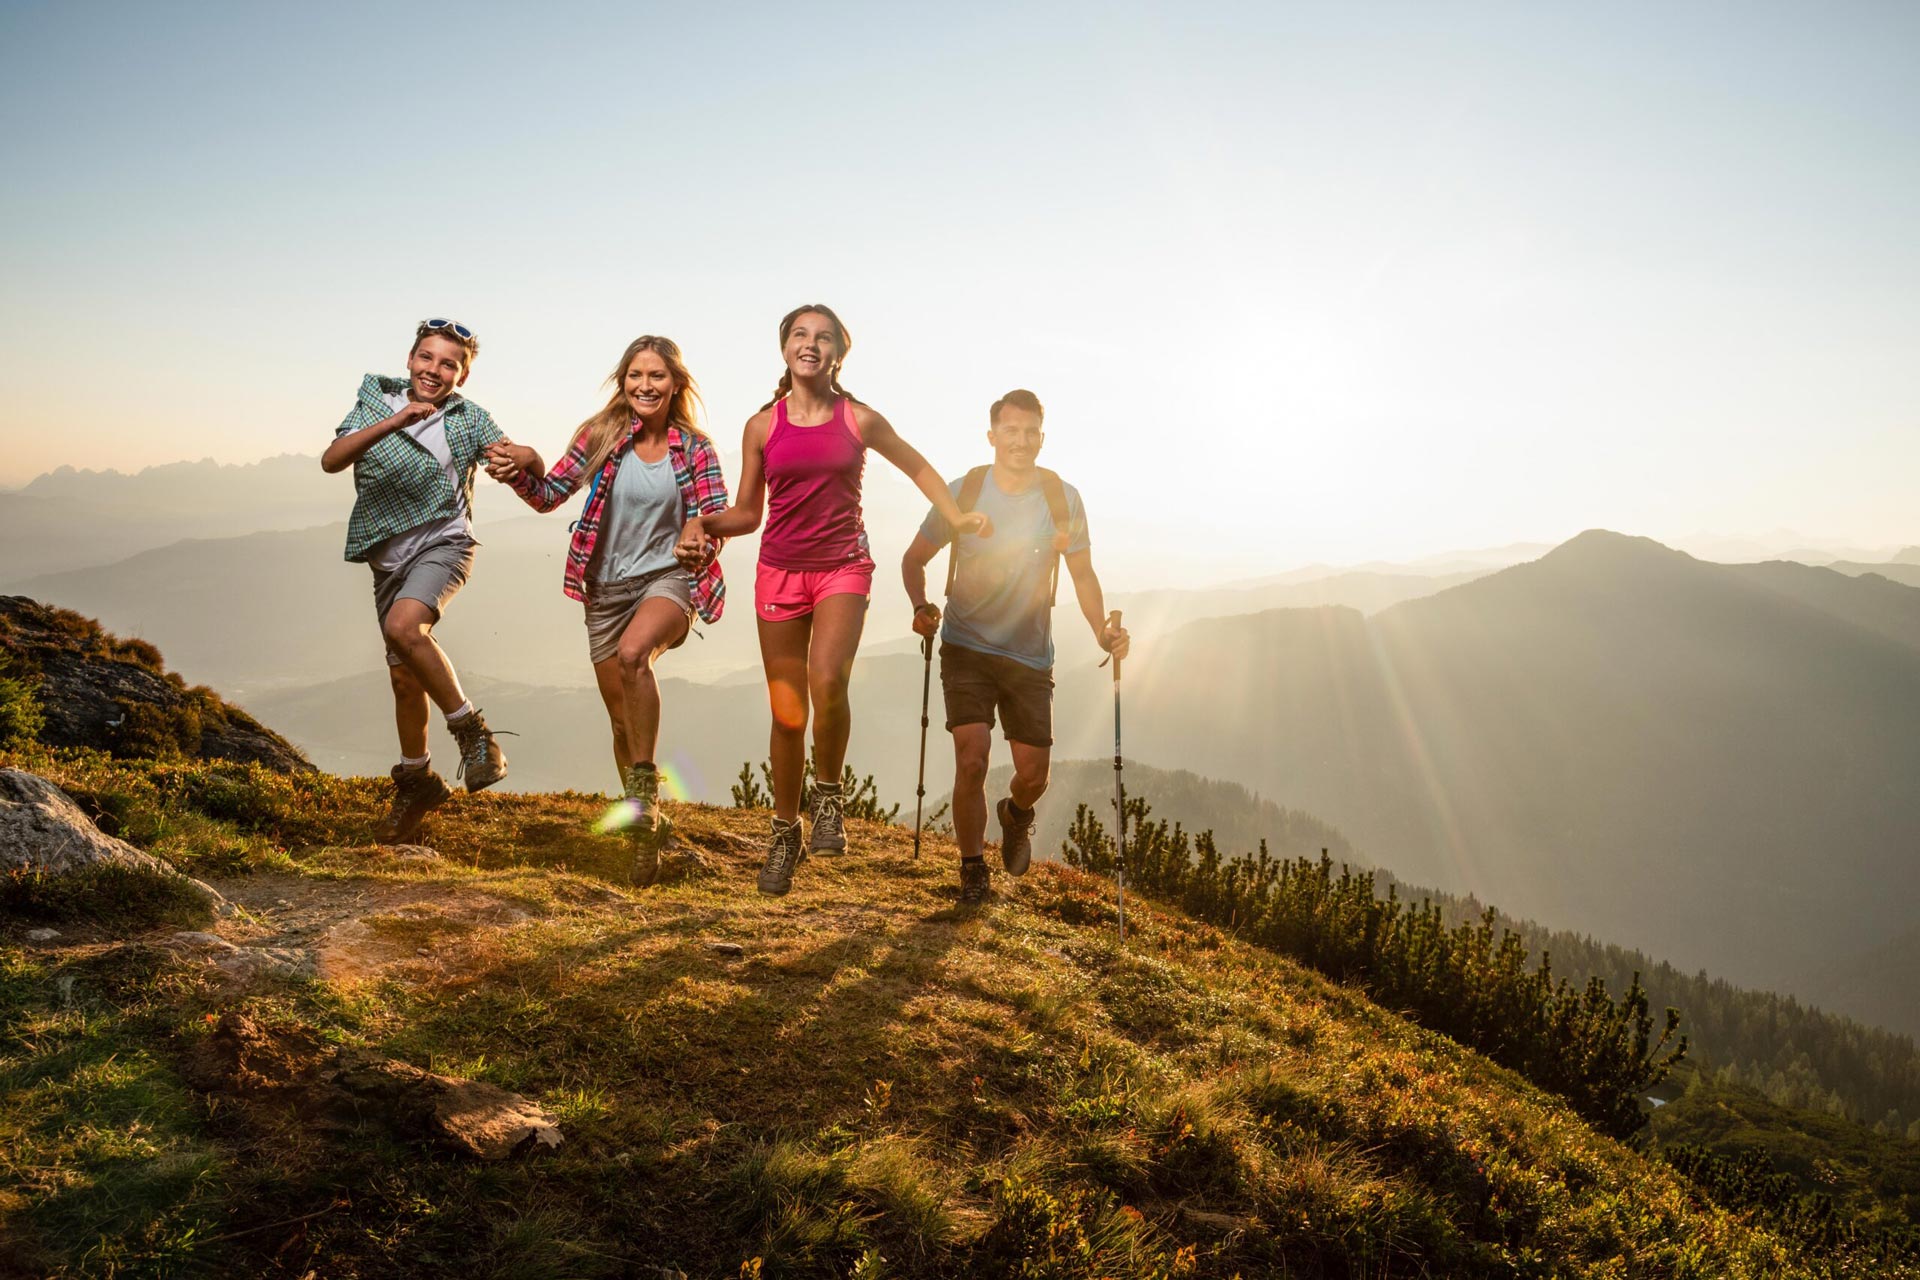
{"x": 401, "y": 486}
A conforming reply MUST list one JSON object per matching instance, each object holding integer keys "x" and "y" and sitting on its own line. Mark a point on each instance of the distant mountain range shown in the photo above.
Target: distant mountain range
{"x": 1713, "y": 762}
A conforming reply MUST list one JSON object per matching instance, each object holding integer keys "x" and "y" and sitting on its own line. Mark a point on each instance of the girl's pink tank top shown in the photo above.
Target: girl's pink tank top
{"x": 813, "y": 492}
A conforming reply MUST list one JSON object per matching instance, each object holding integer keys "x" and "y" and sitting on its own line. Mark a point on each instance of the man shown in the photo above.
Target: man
{"x": 996, "y": 650}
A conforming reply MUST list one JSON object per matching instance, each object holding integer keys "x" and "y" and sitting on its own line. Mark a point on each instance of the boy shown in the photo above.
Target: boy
{"x": 413, "y": 444}
{"x": 996, "y": 650}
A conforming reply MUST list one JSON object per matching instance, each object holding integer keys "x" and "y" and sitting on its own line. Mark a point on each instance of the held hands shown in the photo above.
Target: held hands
{"x": 506, "y": 462}
{"x": 1113, "y": 638}
{"x": 926, "y": 620}
{"x": 695, "y": 548}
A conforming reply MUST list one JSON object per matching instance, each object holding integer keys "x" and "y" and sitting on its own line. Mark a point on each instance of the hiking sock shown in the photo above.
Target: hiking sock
{"x": 1013, "y": 808}
{"x": 460, "y": 712}
{"x": 969, "y": 858}
{"x": 416, "y": 762}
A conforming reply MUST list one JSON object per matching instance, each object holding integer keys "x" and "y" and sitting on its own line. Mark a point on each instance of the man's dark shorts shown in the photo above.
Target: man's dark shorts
{"x": 976, "y": 684}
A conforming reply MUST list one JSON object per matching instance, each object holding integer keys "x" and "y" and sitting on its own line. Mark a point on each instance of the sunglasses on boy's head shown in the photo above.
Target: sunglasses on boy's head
{"x": 458, "y": 330}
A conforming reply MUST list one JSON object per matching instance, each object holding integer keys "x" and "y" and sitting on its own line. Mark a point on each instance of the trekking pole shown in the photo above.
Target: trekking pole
{"x": 920, "y": 790}
{"x": 1119, "y": 797}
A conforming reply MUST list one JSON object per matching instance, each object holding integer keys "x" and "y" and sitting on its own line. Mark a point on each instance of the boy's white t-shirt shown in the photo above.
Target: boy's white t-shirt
{"x": 431, "y": 433}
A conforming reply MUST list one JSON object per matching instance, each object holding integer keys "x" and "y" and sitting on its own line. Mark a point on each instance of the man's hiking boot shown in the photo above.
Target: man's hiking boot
{"x": 647, "y": 827}
{"x": 482, "y": 762}
{"x": 783, "y": 855}
{"x": 417, "y": 791}
{"x": 975, "y": 881}
{"x": 1016, "y": 838}
{"x": 829, "y": 830}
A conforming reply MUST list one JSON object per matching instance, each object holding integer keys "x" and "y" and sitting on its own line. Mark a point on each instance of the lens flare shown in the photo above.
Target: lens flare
{"x": 620, "y": 815}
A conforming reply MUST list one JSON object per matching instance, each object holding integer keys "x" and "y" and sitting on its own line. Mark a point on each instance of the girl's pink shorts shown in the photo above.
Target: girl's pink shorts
{"x": 783, "y": 594}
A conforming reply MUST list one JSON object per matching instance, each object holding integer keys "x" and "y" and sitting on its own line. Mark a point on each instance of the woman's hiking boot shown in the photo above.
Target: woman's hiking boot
{"x": 975, "y": 881}
{"x": 783, "y": 855}
{"x": 647, "y": 828}
{"x": 829, "y": 826}
{"x": 417, "y": 791}
{"x": 1016, "y": 836}
{"x": 482, "y": 762}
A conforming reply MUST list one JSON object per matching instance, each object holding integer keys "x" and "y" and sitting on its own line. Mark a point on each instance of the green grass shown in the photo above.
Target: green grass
{"x": 879, "y": 1085}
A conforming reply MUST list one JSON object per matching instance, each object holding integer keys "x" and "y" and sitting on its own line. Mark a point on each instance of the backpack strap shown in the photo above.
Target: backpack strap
{"x": 968, "y": 499}
{"x": 1055, "y": 490}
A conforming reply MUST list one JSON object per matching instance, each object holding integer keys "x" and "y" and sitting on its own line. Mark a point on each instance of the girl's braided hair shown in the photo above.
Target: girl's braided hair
{"x": 785, "y": 388}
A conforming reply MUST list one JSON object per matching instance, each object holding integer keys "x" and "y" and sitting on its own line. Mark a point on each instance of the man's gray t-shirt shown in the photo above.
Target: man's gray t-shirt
{"x": 641, "y": 524}
{"x": 1000, "y": 603}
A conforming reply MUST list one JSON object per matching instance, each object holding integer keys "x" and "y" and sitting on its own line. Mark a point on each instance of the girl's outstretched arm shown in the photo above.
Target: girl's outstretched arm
{"x": 885, "y": 441}
{"x": 749, "y": 499}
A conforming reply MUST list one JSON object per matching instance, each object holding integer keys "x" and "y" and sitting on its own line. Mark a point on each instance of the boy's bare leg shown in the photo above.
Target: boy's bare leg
{"x": 409, "y": 712}
{"x": 409, "y": 633}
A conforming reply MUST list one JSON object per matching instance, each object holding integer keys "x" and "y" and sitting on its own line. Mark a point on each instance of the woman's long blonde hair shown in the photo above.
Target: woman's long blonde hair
{"x": 604, "y": 431}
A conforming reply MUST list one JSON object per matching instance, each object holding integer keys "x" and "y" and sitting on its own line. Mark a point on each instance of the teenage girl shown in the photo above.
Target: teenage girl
{"x": 652, "y": 474}
{"x": 803, "y": 455}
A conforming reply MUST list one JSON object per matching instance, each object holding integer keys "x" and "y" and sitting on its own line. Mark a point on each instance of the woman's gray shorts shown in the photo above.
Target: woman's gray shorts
{"x": 432, "y": 578}
{"x": 611, "y": 606}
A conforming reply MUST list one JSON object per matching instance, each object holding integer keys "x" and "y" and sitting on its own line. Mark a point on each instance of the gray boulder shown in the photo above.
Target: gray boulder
{"x": 42, "y": 830}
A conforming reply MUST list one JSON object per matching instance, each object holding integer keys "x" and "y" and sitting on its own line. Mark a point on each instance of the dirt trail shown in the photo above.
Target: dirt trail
{"x": 352, "y": 930}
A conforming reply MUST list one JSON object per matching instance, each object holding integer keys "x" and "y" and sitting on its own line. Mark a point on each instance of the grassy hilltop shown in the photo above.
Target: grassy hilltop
{"x": 855, "y": 1080}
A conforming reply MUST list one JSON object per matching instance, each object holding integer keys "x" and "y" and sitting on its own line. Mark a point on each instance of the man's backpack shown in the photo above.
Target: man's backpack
{"x": 1055, "y": 491}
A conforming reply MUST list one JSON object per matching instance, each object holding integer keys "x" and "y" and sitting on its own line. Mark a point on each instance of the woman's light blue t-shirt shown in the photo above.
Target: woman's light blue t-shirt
{"x": 641, "y": 523}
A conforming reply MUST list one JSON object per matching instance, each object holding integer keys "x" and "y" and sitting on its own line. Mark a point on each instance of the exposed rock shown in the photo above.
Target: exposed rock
{"x": 336, "y": 1087}
{"x": 98, "y": 691}
{"x": 195, "y": 941}
{"x": 42, "y": 935}
{"x": 43, "y": 831}
{"x": 727, "y": 948}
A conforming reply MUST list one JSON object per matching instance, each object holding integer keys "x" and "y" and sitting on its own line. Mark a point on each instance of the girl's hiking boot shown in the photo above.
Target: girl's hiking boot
{"x": 783, "y": 855}
{"x": 829, "y": 830}
{"x": 417, "y": 791}
{"x": 1016, "y": 837}
{"x": 975, "y": 881}
{"x": 646, "y": 827}
{"x": 482, "y": 762}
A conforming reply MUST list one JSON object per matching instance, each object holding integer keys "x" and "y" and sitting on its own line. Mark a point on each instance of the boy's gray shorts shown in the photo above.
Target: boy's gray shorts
{"x": 432, "y": 578}
{"x": 611, "y": 606}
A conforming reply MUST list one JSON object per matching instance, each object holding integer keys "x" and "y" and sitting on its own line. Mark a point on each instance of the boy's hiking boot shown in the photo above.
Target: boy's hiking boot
{"x": 783, "y": 855}
{"x": 482, "y": 762}
{"x": 417, "y": 791}
{"x": 647, "y": 828}
{"x": 829, "y": 830}
{"x": 975, "y": 881}
{"x": 1016, "y": 837}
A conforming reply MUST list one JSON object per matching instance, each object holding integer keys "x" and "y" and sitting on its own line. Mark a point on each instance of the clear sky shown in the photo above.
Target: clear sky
{"x": 1296, "y": 282}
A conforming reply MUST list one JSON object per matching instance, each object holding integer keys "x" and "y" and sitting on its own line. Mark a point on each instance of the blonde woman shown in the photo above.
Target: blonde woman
{"x": 651, "y": 474}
